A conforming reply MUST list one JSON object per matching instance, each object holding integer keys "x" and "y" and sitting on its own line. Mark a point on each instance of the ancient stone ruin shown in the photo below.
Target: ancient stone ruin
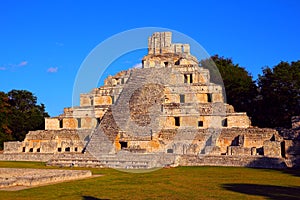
{"x": 22, "y": 178}
{"x": 168, "y": 112}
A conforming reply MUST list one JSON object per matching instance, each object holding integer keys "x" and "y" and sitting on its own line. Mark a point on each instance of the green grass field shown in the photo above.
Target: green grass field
{"x": 172, "y": 183}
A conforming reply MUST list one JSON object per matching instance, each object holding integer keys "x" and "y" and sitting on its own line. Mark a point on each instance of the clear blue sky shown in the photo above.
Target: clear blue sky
{"x": 43, "y": 43}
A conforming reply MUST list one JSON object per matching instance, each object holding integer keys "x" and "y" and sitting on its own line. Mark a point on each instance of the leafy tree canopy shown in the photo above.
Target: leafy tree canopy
{"x": 280, "y": 94}
{"x": 19, "y": 113}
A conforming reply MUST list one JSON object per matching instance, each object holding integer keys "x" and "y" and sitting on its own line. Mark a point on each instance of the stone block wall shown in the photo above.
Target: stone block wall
{"x": 160, "y": 43}
{"x": 272, "y": 149}
{"x": 240, "y": 151}
{"x": 10, "y": 177}
{"x": 52, "y": 123}
{"x": 240, "y": 120}
{"x": 237, "y": 161}
{"x": 38, "y": 157}
{"x": 50, "y": 141}
{"x": 13, "y": 147}
{"x": 253, "y": 137}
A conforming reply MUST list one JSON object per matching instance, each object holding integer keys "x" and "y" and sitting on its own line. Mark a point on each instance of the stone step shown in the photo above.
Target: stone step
{"x": 124, "y": 160}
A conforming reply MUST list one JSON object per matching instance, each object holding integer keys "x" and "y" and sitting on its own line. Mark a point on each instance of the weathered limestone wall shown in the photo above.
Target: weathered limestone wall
{"x": 85, "y": 100}
{"x": 103, "y": 100}
{"x": 237, "y": 161}
{"x": 240, "y": 120}
{"x": 52, "y": 123}
{"x": 10, "y": 177}
{"x": 38, "y": 157}
{"x": 252, "y": 137}
{"x": 240, "y": 150}
{"x": 95, "y": 100}
{"x": 49, "y": 141}
{"x": 160, "y": 43}
{"x": 272, "y": 149}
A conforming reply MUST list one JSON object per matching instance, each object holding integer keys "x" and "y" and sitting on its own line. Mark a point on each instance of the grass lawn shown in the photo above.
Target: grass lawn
{"x": 173, "y": 183}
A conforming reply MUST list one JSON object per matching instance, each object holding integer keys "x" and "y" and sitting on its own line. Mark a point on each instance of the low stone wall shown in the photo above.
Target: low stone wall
{"x": 236, "y": 161}
{"x": 39, "y": 157}
{"x": 10, "y": 177}
{"x": 122, "y": 160}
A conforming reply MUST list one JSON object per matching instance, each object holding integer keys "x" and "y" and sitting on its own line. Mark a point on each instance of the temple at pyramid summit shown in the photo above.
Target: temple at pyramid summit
{"x": 167, "y": 113}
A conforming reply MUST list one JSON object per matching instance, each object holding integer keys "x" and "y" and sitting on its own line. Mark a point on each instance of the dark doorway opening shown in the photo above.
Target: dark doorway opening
{"x": 282, "y": 148}
{"x": 123, "y": 145}
{"x": 224, "y": 122}
{"x": 185, "y": 78}
{"x": 177, "y": 121}
{"x": 209, "y": 97}
{"x": 92, "y": 101}
{"x": 79, "y": 122}
{"x": 200, "y": 123}
{"x": 98, "y": 122}
{"x": 182, "y": 98}
{"x": 61, "y": 123}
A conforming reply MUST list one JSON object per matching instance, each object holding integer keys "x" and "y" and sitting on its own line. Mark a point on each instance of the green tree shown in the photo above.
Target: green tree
{"x": 5, "y": 112}
{"x": 241, "y": 90}
{"x": 279, "y": 95}
{"x": 26, "y": 114}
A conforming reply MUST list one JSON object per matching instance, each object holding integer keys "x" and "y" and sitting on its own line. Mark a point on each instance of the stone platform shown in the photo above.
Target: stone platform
{"x": 121, "y": 160}
{"x": 22, "y": 178}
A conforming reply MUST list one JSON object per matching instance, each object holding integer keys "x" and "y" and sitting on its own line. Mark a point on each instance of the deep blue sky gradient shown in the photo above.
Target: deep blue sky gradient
{"x": 43, "y": 43}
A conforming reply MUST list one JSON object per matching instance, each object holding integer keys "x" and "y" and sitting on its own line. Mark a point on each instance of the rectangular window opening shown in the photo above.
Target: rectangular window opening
{"x": 24, "y": 148}
{"x": 59, "y": 149}
{"x": 61, "y": 125}
{"x": 224, "y": 122}
{"x": 209, "y": 97}
{"x": 185, "y": 78}
{"x": 38, "y": 150}
{"x": 177, "y": 121}
{"x": 170, "y": 151}
{"x": 191, "y": 78}
{"x": 123, "y": 145}
{"x": 182, "y": 98}
{"x": 200, "y": 123}
{"x": 92, "y": 101}
{"x": 79, "y": 122}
